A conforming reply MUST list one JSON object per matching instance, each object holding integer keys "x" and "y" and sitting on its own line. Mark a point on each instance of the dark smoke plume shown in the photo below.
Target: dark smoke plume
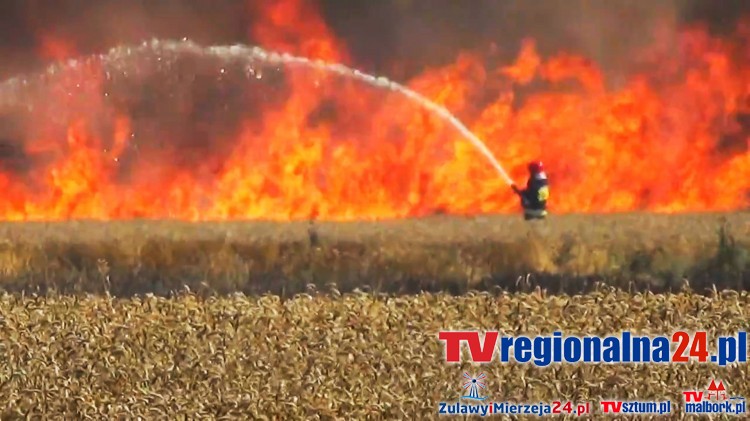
{"x": 412, "y": 33}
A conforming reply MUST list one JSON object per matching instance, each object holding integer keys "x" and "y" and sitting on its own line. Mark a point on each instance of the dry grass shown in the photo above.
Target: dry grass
{"x": 456, "y": 254}
{"x": 353, "y": 356}
{"x": 326, "y": 357}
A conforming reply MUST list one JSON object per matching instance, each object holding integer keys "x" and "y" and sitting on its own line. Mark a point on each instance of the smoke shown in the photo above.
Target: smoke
{"x": 410, "y": 33}
{"x": 35, "y": 32}
{"x": 417, "y": 34}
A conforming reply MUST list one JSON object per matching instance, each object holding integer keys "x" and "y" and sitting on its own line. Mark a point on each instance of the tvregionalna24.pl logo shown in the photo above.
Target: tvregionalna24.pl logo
{"x": 544, "y": 350}
{"x": 475, "y": 403}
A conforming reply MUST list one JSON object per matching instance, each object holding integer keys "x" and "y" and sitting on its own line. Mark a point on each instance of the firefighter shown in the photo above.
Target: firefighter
{"x": 534, "y": 197}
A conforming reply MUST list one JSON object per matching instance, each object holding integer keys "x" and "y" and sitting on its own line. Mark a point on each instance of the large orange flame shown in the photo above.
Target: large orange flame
{"x": 672, "y": 139}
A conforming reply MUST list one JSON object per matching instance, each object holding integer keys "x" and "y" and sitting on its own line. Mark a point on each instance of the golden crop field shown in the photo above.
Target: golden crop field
{"x": 255, "y": 320}
{"x": 354, "y": 356}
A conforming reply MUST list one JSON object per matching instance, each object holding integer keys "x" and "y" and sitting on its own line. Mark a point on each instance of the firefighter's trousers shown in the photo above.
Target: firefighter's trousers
{"x": 529, "y": 214}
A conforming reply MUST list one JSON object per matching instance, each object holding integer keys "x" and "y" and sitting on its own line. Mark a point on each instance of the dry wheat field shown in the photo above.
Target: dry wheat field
{"x": 165, "y": 320}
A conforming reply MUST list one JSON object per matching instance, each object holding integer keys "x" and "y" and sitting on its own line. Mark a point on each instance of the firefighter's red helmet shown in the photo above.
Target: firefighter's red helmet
{"x": 535, "y": 167}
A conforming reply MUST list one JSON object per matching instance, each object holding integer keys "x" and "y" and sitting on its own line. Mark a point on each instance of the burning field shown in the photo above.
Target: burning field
{"x": 199, "y": 137}
{"x": 207, "y": 178}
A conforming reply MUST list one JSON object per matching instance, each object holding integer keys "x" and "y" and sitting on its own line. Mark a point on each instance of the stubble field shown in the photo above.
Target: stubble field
{"x": 164, "y": 319}
{"x": 567, "y": 253}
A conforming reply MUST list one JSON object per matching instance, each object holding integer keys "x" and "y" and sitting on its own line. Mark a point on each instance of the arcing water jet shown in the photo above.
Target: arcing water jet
{"x": 383, "y": 82}
{"x": 252, "y": 54}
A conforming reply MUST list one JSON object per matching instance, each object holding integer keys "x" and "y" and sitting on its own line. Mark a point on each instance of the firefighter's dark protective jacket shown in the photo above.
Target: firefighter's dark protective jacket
{"x": 534, "y": 197}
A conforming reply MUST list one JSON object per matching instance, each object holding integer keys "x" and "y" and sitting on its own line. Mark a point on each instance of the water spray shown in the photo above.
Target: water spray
{"x": 243, "y": 52}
